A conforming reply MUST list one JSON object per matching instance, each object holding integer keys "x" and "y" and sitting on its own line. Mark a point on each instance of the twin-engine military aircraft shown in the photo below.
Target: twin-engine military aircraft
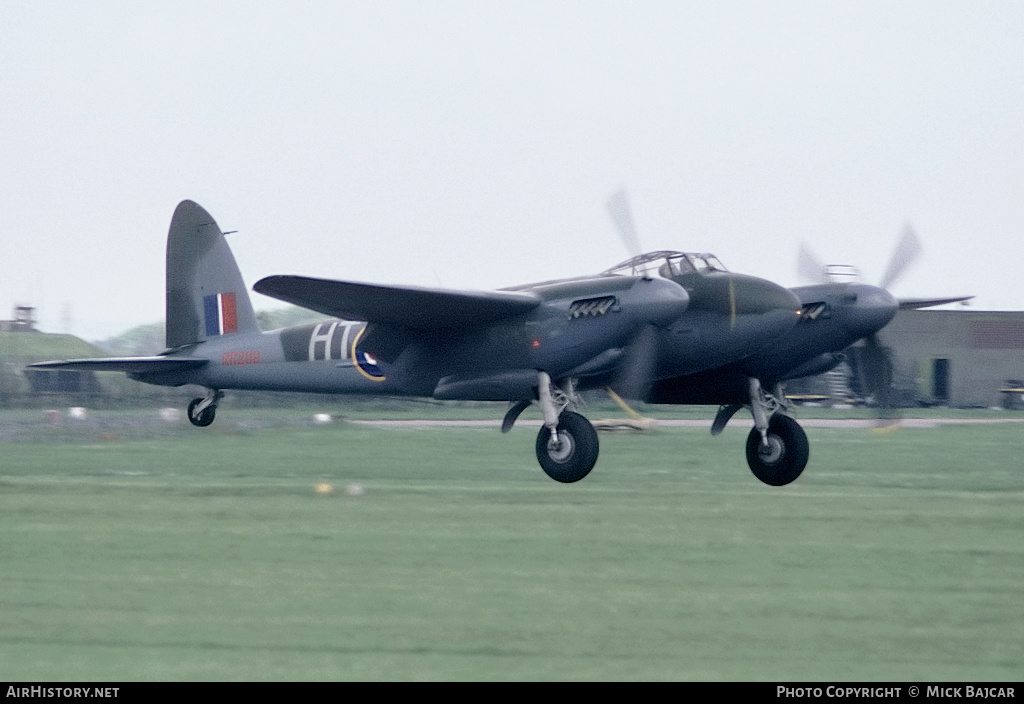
{"x": 666, "y": 327}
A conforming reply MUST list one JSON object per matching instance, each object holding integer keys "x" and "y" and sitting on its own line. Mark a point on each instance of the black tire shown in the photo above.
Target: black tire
{"x": 786, "y": 455}
{"x": 204, "y": 418}
{"x": 576, "y": 453}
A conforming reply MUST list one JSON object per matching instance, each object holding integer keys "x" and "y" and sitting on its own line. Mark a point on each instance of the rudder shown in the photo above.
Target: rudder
{"x": 206, "y": 295}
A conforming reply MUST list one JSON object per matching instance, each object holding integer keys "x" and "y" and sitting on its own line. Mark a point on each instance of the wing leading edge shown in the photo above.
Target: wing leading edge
{"x": 406, "y": 306}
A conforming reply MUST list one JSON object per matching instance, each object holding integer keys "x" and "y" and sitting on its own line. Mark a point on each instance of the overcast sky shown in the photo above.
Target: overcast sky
{"x": 474, "y": 144}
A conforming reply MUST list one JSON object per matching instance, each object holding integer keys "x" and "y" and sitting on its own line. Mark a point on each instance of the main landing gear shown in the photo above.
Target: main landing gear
{"x": 202, "y": 410}
{"x": 777, "y": 447}
{"x": 567, "y": 444}
{"x": 781, "y": 455}
{"x": 569, "y": 452}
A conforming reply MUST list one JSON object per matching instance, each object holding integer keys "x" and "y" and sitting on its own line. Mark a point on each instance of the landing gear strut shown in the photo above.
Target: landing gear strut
{"x": 777, "y": 447}
{"x": 567, "y": 444}
{"x": 202, "y": 410}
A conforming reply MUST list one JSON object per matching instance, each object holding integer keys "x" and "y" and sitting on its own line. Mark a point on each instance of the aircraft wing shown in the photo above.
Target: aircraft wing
{"x": 406, "y": 306}
{"x": 138, "y": 365}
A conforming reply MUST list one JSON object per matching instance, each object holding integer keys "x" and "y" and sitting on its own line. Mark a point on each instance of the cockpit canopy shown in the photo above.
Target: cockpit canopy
{"x": 666, "y": 264}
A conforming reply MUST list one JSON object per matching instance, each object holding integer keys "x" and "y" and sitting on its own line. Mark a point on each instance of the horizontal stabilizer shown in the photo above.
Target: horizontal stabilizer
{"x": 406, "y": 306}
{"x": 136, "y": 365}
{"x": 916, "y": 303}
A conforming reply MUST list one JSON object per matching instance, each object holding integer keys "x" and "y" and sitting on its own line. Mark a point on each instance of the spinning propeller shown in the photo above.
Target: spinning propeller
{"x": 908, "y": 250}
{"x": 622, "y": 216}
{"x": 874, "y": 361}
{"x": 636, "y": 370}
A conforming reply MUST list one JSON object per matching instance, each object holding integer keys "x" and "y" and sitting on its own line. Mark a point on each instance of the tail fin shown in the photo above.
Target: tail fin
{"x": 206, "y": 296}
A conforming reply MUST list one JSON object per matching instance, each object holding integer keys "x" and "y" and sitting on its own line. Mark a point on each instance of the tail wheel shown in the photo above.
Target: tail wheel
{"x": 574, "y": 454}
{"x": 202, "y": 418}
{"x": 784, "y": 457}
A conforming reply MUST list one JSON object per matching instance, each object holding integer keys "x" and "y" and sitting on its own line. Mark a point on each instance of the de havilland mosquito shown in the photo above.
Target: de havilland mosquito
{"x": 665, "y": 327}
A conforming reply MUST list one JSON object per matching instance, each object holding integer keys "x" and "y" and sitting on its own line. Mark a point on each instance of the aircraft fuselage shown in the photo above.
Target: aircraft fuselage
{"x": 580, "y": 330}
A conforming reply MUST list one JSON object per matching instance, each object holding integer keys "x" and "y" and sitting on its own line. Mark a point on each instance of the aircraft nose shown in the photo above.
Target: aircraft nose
{"x": 760, "y": 311}
{"x": 867, "y": 309}
{"x": 776, "y": 308}
{"x": 659, "y": 301}
{"x": 731, "y": 316}
{"x": 753, "y": 296}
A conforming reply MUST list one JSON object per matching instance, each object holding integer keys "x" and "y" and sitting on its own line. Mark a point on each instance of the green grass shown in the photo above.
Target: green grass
{"x": 207, "y": 555}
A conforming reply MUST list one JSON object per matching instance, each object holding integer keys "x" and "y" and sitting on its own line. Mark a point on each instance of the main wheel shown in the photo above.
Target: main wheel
{"x": 202, "y": 418}
{"x": 785, "y": 456}
{"x": 575, "y": 453}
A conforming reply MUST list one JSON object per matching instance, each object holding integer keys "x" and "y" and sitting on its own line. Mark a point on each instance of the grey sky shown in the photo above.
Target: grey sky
{"x": 473, "y": 144}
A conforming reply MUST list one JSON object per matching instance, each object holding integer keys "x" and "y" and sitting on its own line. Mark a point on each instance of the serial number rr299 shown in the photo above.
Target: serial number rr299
{"x": 240, "y": 357}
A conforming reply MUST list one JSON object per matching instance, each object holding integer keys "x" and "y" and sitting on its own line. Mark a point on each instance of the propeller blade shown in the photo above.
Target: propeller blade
{"x": 876, "y": 372}
{"x": 809, "y": 267}
{"x": 622, "y": 216}
{"x": 636, "y": 369}
{"x": 622, "y": 404}
{"x": 634, "y": 422}
{"x": 905, "y": 254}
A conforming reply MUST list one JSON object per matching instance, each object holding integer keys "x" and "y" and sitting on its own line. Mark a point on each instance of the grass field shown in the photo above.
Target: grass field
{"x": 207, "y": 555}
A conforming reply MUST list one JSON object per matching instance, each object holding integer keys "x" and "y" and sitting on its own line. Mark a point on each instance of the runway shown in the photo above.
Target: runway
{"x": 865, "y": 423}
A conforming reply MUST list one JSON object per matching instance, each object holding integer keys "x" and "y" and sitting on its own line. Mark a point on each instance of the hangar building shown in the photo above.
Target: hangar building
{"x": 960, "y": 358}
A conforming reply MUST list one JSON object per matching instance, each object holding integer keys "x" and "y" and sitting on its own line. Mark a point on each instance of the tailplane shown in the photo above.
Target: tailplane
{"x": 206, "y": 295}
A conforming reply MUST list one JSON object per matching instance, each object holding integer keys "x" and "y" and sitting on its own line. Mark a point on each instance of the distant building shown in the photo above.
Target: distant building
{"x": 21, "y": 344}
{"x": 959, "y": 358}
{"x": 24, "y": 320}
